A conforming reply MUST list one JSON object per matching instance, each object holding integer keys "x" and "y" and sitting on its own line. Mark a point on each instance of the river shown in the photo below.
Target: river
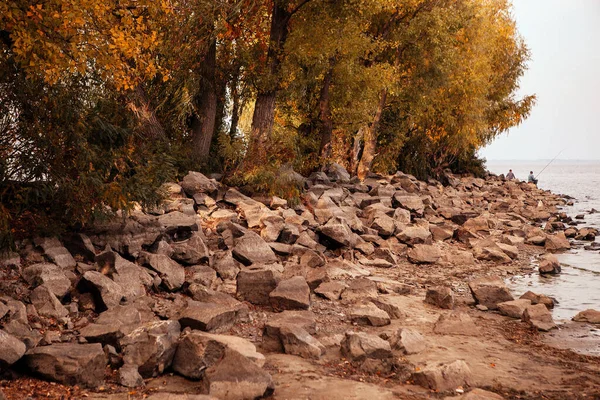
{"x": 578, "y": 286}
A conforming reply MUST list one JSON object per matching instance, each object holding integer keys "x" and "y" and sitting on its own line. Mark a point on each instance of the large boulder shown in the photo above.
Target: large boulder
{"x": 207, "y": 316}
{"x": 236, "y": 377}
{"x": 151, "y": 347}
{"x": 199, "y": 350}
{"x": 195, "y": 182}
{"x": 297, "y": 341}
{"x": 489, "y": 291}
{"x": 112, "y": 325}
{"x": 539, "y": 317}
{"x": 589, "y": 316}
{"x": 424, "y": 254}
{"x": 442, "y": 377}
{"x": 514, "y": 308}
{"x": 56, "y": 252}
{"x": 252, "y": 249}
{"x": 369, "y": 314}
{"x": 171, "y": 273}
{"x": 337, "y": 233}
{"x": 46, "y": 303}
{"x": 107, "y": 293}
{"x": 415, "y": 235}
{"x": 549, "y": 264}
{"x": 557, "y": 242}
{"x": 11, "y": 349}
{"x": 414, "y": 204}
{"x": 274, "y": 339}
{"x": 68, "y": 363}
{"x": 255, "y": 284}
{"x": 190, "y": 251}
{"x": 359, "y": 346}
{"x": 291, "y": 294}
{"x": 49, "y": 275}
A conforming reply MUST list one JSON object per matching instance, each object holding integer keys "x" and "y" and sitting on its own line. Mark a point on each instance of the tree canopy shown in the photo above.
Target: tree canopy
{"x": 103, "y": 100}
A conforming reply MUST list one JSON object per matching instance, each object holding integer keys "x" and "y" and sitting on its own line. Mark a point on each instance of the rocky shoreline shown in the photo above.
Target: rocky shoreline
{"x": 386, "y": 288}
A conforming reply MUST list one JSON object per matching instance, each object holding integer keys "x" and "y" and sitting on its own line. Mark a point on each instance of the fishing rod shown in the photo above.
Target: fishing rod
{"x": 550, "y": 163}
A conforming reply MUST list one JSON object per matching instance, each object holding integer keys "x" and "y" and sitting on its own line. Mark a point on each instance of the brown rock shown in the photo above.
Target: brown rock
{"x": 369, "y": 314}
{"x": 291, "y": 294}
{"x": 407, "y": 340}
{"x": 490, "y": 291}
{"x": 207, "y": 316}
{"x": 539, "y": 317}
{"x": 590, "y": 316}
{"x": 441, "y": 377}
{"x": 514, "y": 308}
{"x": 255, "y": 283}
{"x": 456, "y": 323}
{"x": 359, "y": 346}
{"x": 331, "y": 290}
{"x": 424, "y": 254}
{"x": 442, "y": 297}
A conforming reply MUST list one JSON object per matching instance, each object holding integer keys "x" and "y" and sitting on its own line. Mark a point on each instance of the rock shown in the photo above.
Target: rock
{"x": 272, "y": 330}
{"x": 384, "y": 225}
{"x": 171, "y": 273}
{"x": 539, "y": 299}
{"x": 411, "y": 203}
{"x": 369, "y": 314}
{"x": 424, "y": 254}
{"x": 225, "y": 265}
{"x": 337, "y": 233}
{"x": 590, "y": 316}
{"x": 297, "y": 341}
{"x": 235, "y": 377}
{"x": 557, "y": 242}
{"x": 191, "y": 251}
{"x": 151, "y": 347}
{"x": 106, "y": 292}
{"x": 490, "y": 251}
{"x": 391, "y": 304}
{"x": 480, "y": 394}
{"x": 198, "y": 351}
{"x": 291, "y": 294}
{"x": 207, "y": 316}
{"x": 49, "y": 275}
{"x": 331, "y": 290}
{"x": 112, "y": 325}
{"x": 46, "y": 303}
{"x": 11, "y": 349}
{"x": 205, "y": 295}
{"x": 456, "y": 323}
{"x": 442, "y": 377}
{"x": 359, "y": 346}
{"x": 415, "y": 235}
{"x": 202, "y": 274}
{"x": 549, "y": 265}
{"x": 195, "y": 182}
{"x": 337, "y": 173}
{"x": 489, "y": 291}
{"x": 514, "y": 308}
{"x": 441, "y": 233}
{"x": 252, "y": 249}
{"x": 255, "y": 284}
{"x": 277, "y": 202}
{"x": 586, "y": 234}
{"x": 56, "y": 252}
{"x": 360, "y": 289}
{"x": 441, "y": 297}
{"x": 509, "y": 250}
{"x": 68, "y": 363}
{"x": 539, "y": 317}
{"x": 408, "y": 341}
{"x": 312, "y": 258}
{"x": 130, "y": 377}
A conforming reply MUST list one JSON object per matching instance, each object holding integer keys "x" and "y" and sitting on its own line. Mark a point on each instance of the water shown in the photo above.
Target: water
{"x": 578, "y": 286}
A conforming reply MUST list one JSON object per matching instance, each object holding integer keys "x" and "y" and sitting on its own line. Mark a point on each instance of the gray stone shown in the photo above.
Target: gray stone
{"x": 195, "y": 182}
{"x": 151, "y": 347}
{"x": 207, "y": 316}
{"x": 107, "y": 293}
{"x": 338, "y": 233}
{"x": 46, "y": 303}
{"x": 408, "y": 341}
{"x": 130, "y": 377}
{"x": 252, "y": 249}
{"x": 11, "y": 349}
{"x": 225, "y": 265}
{"x": 171, "y": 273}
{"x": 272, "y": 330}
{"x": 191, "y": 251}
{"x": 49, "y": 275}
{"x": 297, "y": 341}
{"x": 68, "y": 363}
{"x": 56, "y": 252}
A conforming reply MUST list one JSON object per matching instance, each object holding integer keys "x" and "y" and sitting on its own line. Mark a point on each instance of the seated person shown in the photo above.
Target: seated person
{"x": 510, "y": 176}
{"x": 531, "y": 178}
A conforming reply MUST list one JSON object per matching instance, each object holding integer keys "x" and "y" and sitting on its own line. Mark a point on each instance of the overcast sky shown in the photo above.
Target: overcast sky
{"x": 564, "y": 73}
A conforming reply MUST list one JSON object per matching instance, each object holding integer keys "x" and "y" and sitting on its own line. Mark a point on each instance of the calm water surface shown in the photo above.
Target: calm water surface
{"x": 578, "y": 286}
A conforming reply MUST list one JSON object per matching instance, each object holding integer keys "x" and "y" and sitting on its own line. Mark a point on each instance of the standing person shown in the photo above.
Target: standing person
{"x": 510, "y": 176}
{"x": 531, "y": 178}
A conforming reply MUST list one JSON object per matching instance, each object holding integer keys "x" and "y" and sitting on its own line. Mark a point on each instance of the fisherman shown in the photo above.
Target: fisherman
{"x": 510, "y": 176}
{"x": 531, "y": 178}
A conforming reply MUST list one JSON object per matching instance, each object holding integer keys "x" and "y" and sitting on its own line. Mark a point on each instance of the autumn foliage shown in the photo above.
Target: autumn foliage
{"x": 102, "y": 100}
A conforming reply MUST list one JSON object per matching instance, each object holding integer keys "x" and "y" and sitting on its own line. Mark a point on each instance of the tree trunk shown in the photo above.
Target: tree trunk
{"x": 264, "y": 108}
{"x": 203, "y": 124}
{"x": 364, "y": 166}
{"x": 150, "y": 126}
{"x": 325, "y": 120}
{"x": 235, "y": 102}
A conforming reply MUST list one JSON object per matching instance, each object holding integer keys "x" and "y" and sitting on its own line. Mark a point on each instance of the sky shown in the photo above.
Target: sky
{"x": 564, "y": 73}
